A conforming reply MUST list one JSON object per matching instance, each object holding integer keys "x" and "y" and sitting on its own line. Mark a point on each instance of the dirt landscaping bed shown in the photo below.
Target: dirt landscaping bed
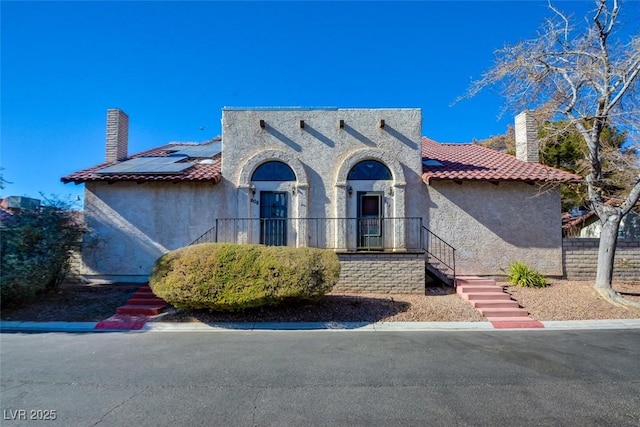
{"x": 563, "y": 300}
{"x": 574, "y": 300}
{"x": 73, "y": 302}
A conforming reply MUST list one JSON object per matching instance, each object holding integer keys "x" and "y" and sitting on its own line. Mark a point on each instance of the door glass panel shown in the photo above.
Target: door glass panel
{"x": 273, "y": 218}
{"x": 369, "y": 220}
{"x": 370, "y": 206}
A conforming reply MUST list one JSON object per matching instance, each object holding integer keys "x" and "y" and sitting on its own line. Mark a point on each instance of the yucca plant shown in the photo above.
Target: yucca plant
{"x": 521, "y": 274}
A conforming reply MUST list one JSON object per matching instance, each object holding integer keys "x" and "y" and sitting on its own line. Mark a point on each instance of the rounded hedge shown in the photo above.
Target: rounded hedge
{"x": 231, "y": 277}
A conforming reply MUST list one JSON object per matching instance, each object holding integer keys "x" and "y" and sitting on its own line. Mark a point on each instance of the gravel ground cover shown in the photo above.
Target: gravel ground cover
{"x": 574, "y": 300}
{"x": 440, "y": 305}
{"x": 73, "y": 302}
{"x": 562, "y": 300}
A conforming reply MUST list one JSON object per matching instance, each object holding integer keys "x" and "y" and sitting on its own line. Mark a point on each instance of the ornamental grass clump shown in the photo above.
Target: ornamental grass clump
{"x": 520, "y": 274}
{"x": 231, "y": 277}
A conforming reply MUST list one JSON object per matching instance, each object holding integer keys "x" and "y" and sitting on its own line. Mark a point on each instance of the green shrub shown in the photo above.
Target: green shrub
{"x": 230, "y": 277}
{"x": 520, "y": 274}
{"x": 35, "y": 252}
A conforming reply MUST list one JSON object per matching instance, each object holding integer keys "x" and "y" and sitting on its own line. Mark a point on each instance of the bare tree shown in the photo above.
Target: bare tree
{"x": 589, "y": 77}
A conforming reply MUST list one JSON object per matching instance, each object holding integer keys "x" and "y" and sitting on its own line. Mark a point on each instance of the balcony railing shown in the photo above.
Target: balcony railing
{"x": 349, "y": 234}
{"x": 329, "y": 233}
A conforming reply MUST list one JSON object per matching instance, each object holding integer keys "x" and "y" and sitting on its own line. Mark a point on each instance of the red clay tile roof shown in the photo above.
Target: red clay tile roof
{"x": 198, "y": 172}
{"x": 473, "y": 162}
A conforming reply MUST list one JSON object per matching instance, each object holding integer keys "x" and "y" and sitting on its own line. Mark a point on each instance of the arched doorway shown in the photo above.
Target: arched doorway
{"x": 370, "y": 183}
{"x": 370, "y": 203}
{"x": 274, "y": 203}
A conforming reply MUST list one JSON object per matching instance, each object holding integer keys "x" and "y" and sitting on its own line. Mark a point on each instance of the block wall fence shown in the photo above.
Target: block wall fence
{"x": 580, "y": 258}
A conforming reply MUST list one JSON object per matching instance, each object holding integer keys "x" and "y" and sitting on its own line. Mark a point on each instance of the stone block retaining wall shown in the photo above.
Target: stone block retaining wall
{"x": 382, "y": 272}
{"x": 580, "y": 258}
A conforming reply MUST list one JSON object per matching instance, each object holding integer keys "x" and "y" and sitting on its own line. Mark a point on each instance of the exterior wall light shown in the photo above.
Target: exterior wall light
{"x": 253, "y": 189}
{"x": 262, "y": 124}
{"x": 382, "y": 124}
{"x": 350, "y": 191}
{"x": 341, "y": 124}
{"x": 301, "y": 124}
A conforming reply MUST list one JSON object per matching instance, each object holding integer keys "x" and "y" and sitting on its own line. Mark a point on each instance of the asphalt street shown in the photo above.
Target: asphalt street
{"x": 265, "y": 378}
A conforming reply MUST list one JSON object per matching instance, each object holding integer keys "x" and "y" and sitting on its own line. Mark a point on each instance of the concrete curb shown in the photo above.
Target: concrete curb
{"x": 19, "y": 326}
{"x": 592, "y": 324}
{"x": 317, "y": 326}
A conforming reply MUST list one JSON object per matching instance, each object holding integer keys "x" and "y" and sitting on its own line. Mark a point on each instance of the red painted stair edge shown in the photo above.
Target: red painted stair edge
{"x": 482, "y": 285}
{"x": 135, "y": 317}
{"x": 511, "y": 324}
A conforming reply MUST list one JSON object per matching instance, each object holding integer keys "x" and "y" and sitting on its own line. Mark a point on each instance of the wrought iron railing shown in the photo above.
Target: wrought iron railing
{"x": 329, "y": 233}
{"x": 440, "y": 255}
{"x": 360, "y": 234}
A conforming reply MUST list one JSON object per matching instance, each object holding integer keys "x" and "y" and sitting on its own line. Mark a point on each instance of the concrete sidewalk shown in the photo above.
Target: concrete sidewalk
{"x": 21, "y": 326}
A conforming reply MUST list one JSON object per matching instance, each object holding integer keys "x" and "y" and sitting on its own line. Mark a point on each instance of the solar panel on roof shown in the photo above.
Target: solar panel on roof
{"x": 144, "y": 165}
{"x": 208, "y": 150}
{"x": 431, "y": 162}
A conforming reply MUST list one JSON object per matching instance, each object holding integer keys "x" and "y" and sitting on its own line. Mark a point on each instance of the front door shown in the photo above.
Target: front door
{"x": 273, "y": 218}
{"x": 369, "y": 220}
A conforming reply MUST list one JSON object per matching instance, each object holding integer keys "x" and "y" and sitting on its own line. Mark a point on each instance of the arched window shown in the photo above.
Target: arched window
{"x": 273, "y": 171}
{"x": 369, "y": 170}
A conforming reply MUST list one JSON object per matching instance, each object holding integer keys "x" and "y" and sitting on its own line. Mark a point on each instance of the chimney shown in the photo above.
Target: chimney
{"x": 117, "y": 135}
{"x": 527, "y": 149}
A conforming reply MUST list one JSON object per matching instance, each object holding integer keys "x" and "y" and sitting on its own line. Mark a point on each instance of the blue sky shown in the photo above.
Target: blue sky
{"x": 172, "y": 66}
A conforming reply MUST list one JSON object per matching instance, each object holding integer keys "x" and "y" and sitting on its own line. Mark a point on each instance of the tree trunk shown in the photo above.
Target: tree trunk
{"x": 607, "y": 251}
{"x": 606, "y": 254}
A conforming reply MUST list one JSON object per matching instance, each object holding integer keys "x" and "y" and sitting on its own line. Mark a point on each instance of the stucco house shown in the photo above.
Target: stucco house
{"x": 362, "y": 182}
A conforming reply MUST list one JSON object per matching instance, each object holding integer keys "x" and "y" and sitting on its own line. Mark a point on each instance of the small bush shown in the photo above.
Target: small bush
{"x": 230, "y": 277}
{"x": 35, "y": 250}
{"x": 520, "y": 274}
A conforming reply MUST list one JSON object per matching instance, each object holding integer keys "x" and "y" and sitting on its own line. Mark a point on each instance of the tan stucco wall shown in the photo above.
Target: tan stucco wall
{"x": 492, "y": 225}
{"x": 321, "y": 154}
{"x": 131, "y": 225}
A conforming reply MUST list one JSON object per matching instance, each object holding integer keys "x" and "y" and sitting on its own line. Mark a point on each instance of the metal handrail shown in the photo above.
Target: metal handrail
{"x": 440, "y": 250}
{"x": 366, "y": 233}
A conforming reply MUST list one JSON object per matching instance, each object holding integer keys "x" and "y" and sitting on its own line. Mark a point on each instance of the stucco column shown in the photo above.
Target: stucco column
{"x": 399, "y": 211}
{"x": 244, "y": 211}
{"x": 302, "y": 209}
{"x": 340, "y": 236}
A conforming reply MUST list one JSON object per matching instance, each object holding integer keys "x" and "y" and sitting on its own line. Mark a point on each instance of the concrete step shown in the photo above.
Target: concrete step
{"x": 143, "y": 294}
{"x": 520, "y": 323}
{"x": 495, "y": 304}
{"x": 149, "y": 310}
{"x": 483, "y": 296}
{"x": 510, "y": 319}
{"x": 146, "y": 301}
{"x": 467, "y": 281}
{"x": 503, "y": 312}
{"x": 486, "y": 296}
{"x": 472, "y": 289}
